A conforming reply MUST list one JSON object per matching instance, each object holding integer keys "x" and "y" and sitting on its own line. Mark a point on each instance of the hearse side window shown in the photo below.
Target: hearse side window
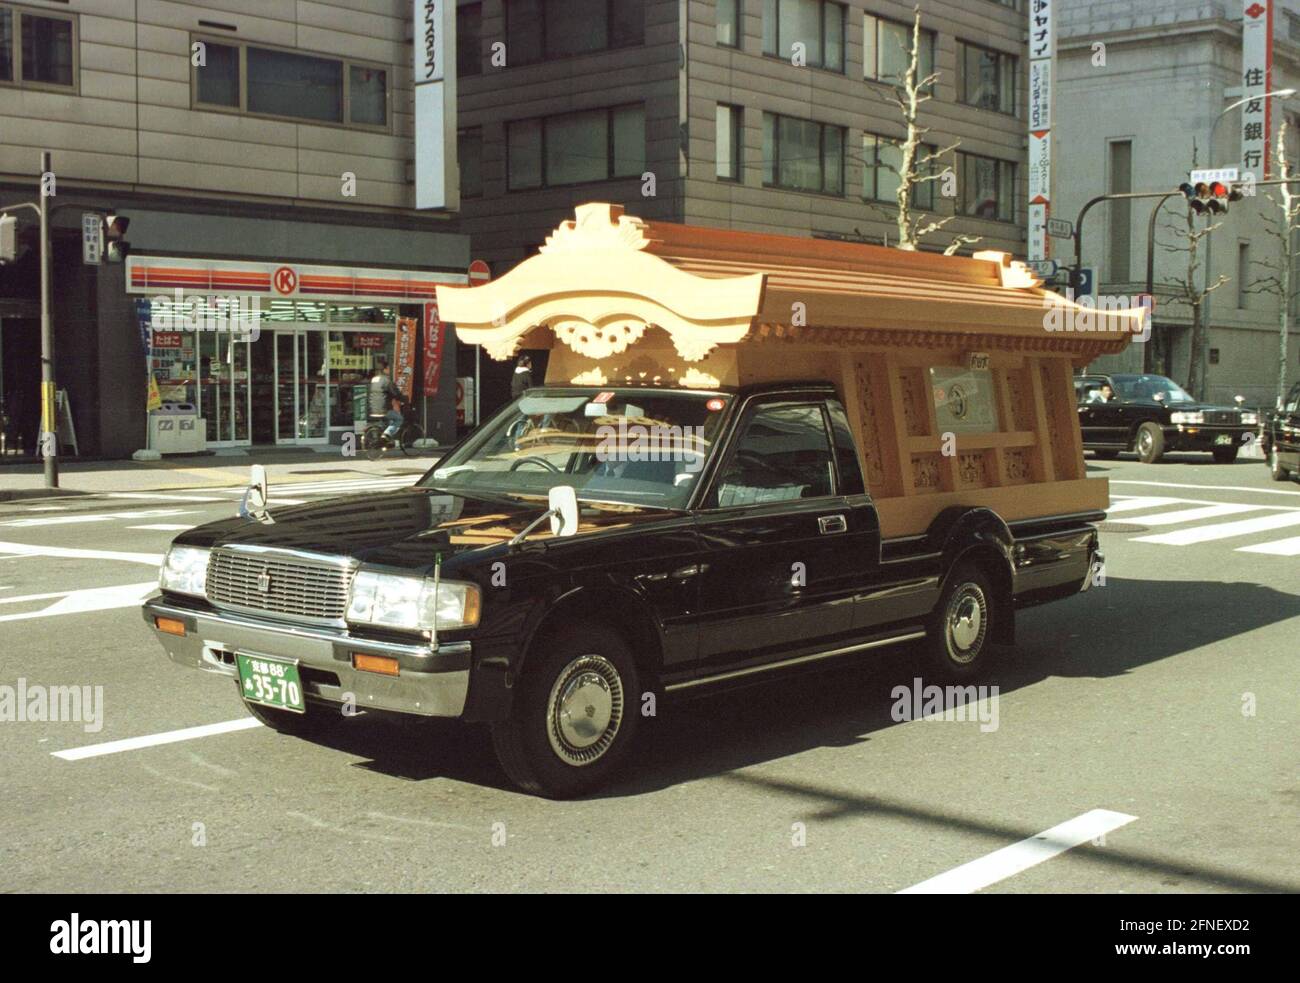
{"x": 846, "y": 454}
{"x": 783, "y": 453}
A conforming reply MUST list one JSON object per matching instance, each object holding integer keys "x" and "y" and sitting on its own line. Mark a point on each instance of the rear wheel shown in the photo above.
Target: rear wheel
{"x": 958, "y": 638}
{"x": 408, "y": 435}
{"x": 1150, "y": 443}
{"x": 1225, "y": 455}
{"x": 575, "y": 713}
{"x": 1275, "y": 468}
{"x": 373, "y": 442}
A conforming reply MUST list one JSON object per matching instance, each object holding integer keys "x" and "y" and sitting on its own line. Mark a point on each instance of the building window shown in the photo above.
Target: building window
{"x": 988, "y": 78}
{"x": 728, "y": 20}
{"x": 1214, "y": 356}
{"x": 539, "y": 29}
{"x": 1243, "y": 275}
{"x": 887, "y": 50}
{"x": 882, "y": 163}
{"x": 469, "y": 39}
{"x": 469, "y": 155}
{"x": 803, "y": 156}
{"x": 275, "y": 82}
{"x": 728, "y": 141}
{"x": 1121, "y": 212}
{"x": 576, "y": 148}
{"x": 987, "y": 187}
{"x": 817, "y": 25}
{"x": 37, "y": 49}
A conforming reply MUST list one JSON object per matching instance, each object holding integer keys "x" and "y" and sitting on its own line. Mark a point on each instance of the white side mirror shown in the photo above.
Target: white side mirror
{"x": 1238, "y": 400}
{"x": 563, "y": 500}
{"x": 256, "y": 496}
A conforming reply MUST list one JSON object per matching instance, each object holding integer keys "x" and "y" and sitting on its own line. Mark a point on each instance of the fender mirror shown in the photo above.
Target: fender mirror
{"x": 563, "y": 500}
{"x": 256, "y": 495}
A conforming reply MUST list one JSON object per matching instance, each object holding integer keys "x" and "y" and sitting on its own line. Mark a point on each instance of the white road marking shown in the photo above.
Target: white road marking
{"x": 1170, "y": 484}
{"x": 286, "y": 501}
{"x": 1194, "y": 515}
{"x": 47, "y": 508}
{"x": 1019, "y": 857}
{"x": 81, "y": 601}
{"x": 159, "y": 497}
{"x": 153, "y": 740}
{"x": 60, "y": 520}
{"x": 1223, "y": 530}
{"x": 1281, "y": 547}
{"x": 27, "y": 549}
{"x": 163, "y": 527}
{"x": 1140, "y": 502}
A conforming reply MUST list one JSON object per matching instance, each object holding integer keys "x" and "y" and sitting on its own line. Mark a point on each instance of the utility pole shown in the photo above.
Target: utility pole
{"x": 49, "y": 442}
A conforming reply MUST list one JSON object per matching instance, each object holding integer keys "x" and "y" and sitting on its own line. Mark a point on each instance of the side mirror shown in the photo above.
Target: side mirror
{"x": 253, "y": 504}
{"x": 563, "y": 501}
{"x": 1238, "y": 400}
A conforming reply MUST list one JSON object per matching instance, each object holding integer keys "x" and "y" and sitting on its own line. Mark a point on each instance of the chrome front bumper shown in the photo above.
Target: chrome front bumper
{"x": 431, "y": 683}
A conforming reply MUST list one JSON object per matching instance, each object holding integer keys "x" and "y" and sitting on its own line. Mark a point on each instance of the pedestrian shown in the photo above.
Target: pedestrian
{"x": 523, "y": 377}
{"x": 384, "y": 398}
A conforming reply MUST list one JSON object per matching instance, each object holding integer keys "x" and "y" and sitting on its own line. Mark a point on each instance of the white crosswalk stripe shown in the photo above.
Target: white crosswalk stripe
{"x": 1194, "y": 516}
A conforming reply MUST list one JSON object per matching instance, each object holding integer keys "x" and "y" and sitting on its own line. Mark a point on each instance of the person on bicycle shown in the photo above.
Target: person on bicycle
{"x": 384, "y": 394}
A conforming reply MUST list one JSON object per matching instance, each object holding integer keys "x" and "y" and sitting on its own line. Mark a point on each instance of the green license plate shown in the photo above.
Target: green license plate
{"x": 1223, "y": 438}
{"x": 271, "y": 682}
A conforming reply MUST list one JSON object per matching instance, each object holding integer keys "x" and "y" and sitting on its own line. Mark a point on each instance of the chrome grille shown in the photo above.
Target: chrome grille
{"x": 296, "y": 586}
{"x": 1223, "y": 418}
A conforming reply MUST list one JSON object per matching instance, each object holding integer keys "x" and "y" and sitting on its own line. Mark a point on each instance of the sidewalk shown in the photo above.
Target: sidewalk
{"x": 191, "y": 471}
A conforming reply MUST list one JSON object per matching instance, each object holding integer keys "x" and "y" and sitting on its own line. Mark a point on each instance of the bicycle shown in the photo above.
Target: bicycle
{"x": 375, "y": 443}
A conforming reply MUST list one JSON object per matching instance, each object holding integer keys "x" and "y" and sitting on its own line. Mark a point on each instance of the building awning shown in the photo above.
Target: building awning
{"x": 602, "y": 279}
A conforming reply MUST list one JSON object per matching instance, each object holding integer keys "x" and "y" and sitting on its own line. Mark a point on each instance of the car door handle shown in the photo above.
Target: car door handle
{"x": 685, "y": 573}
{"x": 829, "y": 524}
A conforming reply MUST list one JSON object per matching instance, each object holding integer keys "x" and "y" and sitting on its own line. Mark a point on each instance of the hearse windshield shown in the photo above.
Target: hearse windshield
{"x": 1155, "y": 387}
{"x": 642, "y": 447}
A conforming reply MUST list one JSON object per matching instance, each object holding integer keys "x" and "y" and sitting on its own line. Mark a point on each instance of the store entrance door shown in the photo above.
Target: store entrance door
{"x": 223, "y": 390}
{"x": 302, "y": 410}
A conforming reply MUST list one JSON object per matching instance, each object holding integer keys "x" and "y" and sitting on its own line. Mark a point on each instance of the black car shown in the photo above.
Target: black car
{"x": 557, "y": 572}
{"x": 1152, "y": 415}
{"x": 1280, "y": 437}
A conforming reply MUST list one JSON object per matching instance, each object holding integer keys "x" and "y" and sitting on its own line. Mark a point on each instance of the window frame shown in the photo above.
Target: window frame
{"x": 544, "y": 181}
{"x": 924, "y": 148}
{"x": 546, "y": 56}
{"x": 926, "y": 34}
{"x": 821, "y": 65}
{"x": 737, "y": 114}
{"x": 17, "y": 12}
{"x": 964, "y": 83}
{"x": 963, "y": 185}
{"x": 708, "y": 500}
{"x": 242, "y": 109}
{"x": 461, "y": 133}
{"x": 821, "y": 161}
{"x": 459, "y": 47}
{"x": 738, "y": 9}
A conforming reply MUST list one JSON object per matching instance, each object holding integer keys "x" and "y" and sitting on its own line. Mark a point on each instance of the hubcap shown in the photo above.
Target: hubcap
{"x": 966, "y": 623}
{"x": 1144, "y": 441}
{"x": 584, "y": 710}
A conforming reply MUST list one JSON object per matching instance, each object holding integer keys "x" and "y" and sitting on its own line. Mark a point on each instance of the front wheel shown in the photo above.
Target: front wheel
{"x": 373, "y": 442}
{"x": 575, "y": 714}
{"x": 958, "y": 638}
{"x": 407, "y": 436}
{"x": 314, "y": 722}
{"x": 1150, "y": 443}
{"x": 1224, "y": 455}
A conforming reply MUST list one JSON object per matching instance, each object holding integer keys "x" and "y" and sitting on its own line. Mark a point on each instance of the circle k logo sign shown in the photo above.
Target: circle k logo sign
{"x": 285, "y": 280}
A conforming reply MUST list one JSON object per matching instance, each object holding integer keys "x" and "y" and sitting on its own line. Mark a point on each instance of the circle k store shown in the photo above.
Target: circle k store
{"x": 276, "y": 353}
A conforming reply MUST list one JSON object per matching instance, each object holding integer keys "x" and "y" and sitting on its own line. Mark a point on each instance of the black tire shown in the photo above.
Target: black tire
{"x": 1275, "y": 468}
{"x": 965, "y": 606}
{"x": 1225, "y": 455}
{"x": 317, "y": 720}
{"x": 407, "y": 436}
{"x": 1105, "y": 455}
{"x": 542, "y": 755}
{"x": 1149, "y": 442}
{"x": 373, "y": 442}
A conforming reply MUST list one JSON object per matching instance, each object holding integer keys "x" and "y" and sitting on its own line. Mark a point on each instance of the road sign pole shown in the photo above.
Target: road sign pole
{"x": 49, "y": 439}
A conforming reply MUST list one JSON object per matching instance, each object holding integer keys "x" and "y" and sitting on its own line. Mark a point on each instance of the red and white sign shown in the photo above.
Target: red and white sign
{"x": 479, "y": 273}
{"x": 1042, "y": 54}
{"x": 285, "y": 280}
{"x": 167, "y": 339}
{"x": 1256, "y": 81}
{"x": 369, "y": 341}
{"x": 404, "y": 356}
{"x": 432, "y": 348}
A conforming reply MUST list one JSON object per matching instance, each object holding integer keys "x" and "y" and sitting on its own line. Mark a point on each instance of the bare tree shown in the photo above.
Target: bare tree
{"x": 1192, "y": 294}
{"x": 915, "y": 167}
{"x": 1282, "y": 226}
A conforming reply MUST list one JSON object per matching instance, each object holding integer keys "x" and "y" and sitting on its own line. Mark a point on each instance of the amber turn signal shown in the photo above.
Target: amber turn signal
{"x": 172, "y": 626}
{"x": 374, "y": 663}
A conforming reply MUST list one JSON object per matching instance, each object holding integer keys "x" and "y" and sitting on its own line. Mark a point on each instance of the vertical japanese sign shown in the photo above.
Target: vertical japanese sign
{"x": 404, "y": 356}
{"x": 1256, "y": 81}
{"x": 1042, "y": 50}
{"x": 432, "y": 348}
{"x": 437, "y": 183}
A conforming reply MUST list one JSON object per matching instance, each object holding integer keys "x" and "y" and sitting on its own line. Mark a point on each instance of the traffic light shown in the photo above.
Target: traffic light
{"x": 1213, "y": 198}
{"x": 1197, "y": 196}
{"x": 116, "y": 248}
{"x": 8, "y": 238}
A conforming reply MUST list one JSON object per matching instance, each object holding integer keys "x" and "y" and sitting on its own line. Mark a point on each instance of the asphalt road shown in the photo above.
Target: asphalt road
{"x": 1167, "y": 700}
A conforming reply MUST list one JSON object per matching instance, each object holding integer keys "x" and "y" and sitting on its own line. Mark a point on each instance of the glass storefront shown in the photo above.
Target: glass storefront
{"x": 303, "y": 381}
